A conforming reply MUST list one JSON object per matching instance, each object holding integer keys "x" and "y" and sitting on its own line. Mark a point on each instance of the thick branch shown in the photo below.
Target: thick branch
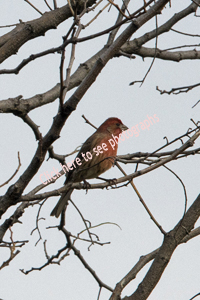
{"x": 20, "y": 106}
{"x": 165, "y": 55}
{"x": 15, "y": 191}
{"x": 187, "y": 144}
{"x": 23, "y": 32}
{"x": 163, "y": 257}
{"x": 25, "y": 105}
{"x": 134, "y": 45}
{"x": 143, "y": 261}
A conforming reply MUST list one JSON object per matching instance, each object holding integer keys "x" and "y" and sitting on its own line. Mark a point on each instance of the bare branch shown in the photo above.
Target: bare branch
{"x": 59, "y": 120}
{"x": 32, "y": 125}
{"x": 142, "y": 201}
{"x": 7, "y": 262}
{"x": 161, "y": 256}
{"x": 70, "y": 6}
{"x": 119, "y": 19}
{"x": 71, "y": 61}
{"x": 84, "y": 77}
{"x": 88, "y": 122}
{"x": 178, "y": 90}
{"x": 195, "y": 296}
{"x": 19, "y": 165}
{"x": 83, "y": 261}
{"x": 187, "y": 144}
{"x": 135, "y": 46}
{"x": 151, "y": 65}
{"x": 34, "y": 7}
{"x": 55, "y": 4}
{"x": 50, "y": 261}
{"x": 48, "y": 5}
{"x": 95, "y": 17}
{"x": 83, "y": 219}
{"x": 120, "y": 10}
{"x": 184, "y": 189}
{"x": 11, "y": 25}
{"x": 37, "y": 222}
{"x": 6, "y": 38}
{"x": 195, "y": 104}
{"x": 12, "y": 41}
{"x": 196, "y": 2}
{"x": 179, "y": 47}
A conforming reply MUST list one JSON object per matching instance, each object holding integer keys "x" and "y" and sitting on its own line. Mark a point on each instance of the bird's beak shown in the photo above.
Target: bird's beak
{"x": 123, "y": 127}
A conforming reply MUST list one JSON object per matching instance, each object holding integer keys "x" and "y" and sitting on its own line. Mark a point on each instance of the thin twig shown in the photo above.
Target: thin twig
{"x": 179, "y": 47}
{"x": 32, "y": 125}
{"x": 61, "y": 47}
{"x": 184, "y": 33}
{"x": 34, "y": 7}
{"x": 55, "y": 4}
{"x": 37, "y": 222}
{"x": 62, "y": 60}
{"x": 119, "y": 19}
{"x": 19, "y": 165}
{"x": 176, "y": 152}
{"x": 98, "y": 297}
{"x": 87, "y": 266}
{"x": 48, "y": 5}
{"x": 88, "y": 122}
{"x": 173, "y": 141}
{"x": 195, "y": 104}
{"x": 121, "y": 11}
{"x": 70, "y": 6}
{"x": 84, "y": 221}
{"x": 4, "y": 26}
{"x": 143, "y": 261}
{"x": 153, "y": 60}
{"x": 178, "y": 90}
{"x": 195, "y": 296}
{"x": 6, "y": 263}
{"x": 95, "y": 17}
{"x": 184, "y": 189}
{"x": 71, "y": 61}
{"x": 142, "y": 201}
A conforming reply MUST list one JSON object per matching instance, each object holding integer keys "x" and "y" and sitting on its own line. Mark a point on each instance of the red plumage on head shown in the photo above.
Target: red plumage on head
{"x": 111, "y": 127}
{"x": 109, "y": 122}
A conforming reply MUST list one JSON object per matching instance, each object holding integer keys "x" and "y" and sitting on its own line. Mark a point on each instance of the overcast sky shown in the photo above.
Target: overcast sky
{"x": 109, "y": 96}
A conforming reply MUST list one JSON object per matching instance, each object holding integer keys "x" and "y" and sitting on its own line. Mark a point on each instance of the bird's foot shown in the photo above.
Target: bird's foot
{"x": 86, "y": 185}
{"x": 110, "y": 181}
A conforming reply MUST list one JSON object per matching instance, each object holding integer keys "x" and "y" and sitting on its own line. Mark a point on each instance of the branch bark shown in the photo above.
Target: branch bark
{"x": 165, "y": 55}
{"x": 181, "y": 233}
{"x": 134, "y": 46}
{"x": 11, "y": 42}
{"x": 15, "y": 191}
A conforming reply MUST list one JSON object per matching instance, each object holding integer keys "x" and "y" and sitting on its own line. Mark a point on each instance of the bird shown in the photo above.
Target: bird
{"x": 96, "y": 156}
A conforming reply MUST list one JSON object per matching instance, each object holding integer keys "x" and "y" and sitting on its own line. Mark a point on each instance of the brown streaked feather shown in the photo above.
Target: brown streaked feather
{"x": 98, "y": 164}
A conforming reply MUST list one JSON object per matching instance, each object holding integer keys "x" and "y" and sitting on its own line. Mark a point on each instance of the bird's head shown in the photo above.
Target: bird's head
{"x": 113, "y": 126}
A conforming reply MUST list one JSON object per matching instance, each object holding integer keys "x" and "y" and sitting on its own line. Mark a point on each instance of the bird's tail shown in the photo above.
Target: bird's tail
{"x": 61, "y": 203}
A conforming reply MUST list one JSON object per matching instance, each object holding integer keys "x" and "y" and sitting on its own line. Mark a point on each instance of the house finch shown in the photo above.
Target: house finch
{"x": 96, "y": 156}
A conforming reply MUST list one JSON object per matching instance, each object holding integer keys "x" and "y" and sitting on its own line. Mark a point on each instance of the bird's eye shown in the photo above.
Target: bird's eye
{"x": 117, "y": 124}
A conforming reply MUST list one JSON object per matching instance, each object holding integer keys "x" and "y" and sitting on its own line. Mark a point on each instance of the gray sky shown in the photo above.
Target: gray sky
{"x": 110, "y": 96}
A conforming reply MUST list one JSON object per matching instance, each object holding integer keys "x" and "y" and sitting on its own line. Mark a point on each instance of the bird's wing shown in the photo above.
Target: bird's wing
{"x": 87, "y": 146}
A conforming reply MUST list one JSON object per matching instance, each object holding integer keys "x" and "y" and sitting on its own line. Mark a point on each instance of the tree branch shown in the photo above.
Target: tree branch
{"x": 176, "y": 56}
{"x": 11, "y": 42}
{"x": 132, "y": 46}
{"x": 180, "y": 234}
{"x": 187, "y": 144}
{"x": 15, "y": 191}
{"x": 178, "y": 90}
